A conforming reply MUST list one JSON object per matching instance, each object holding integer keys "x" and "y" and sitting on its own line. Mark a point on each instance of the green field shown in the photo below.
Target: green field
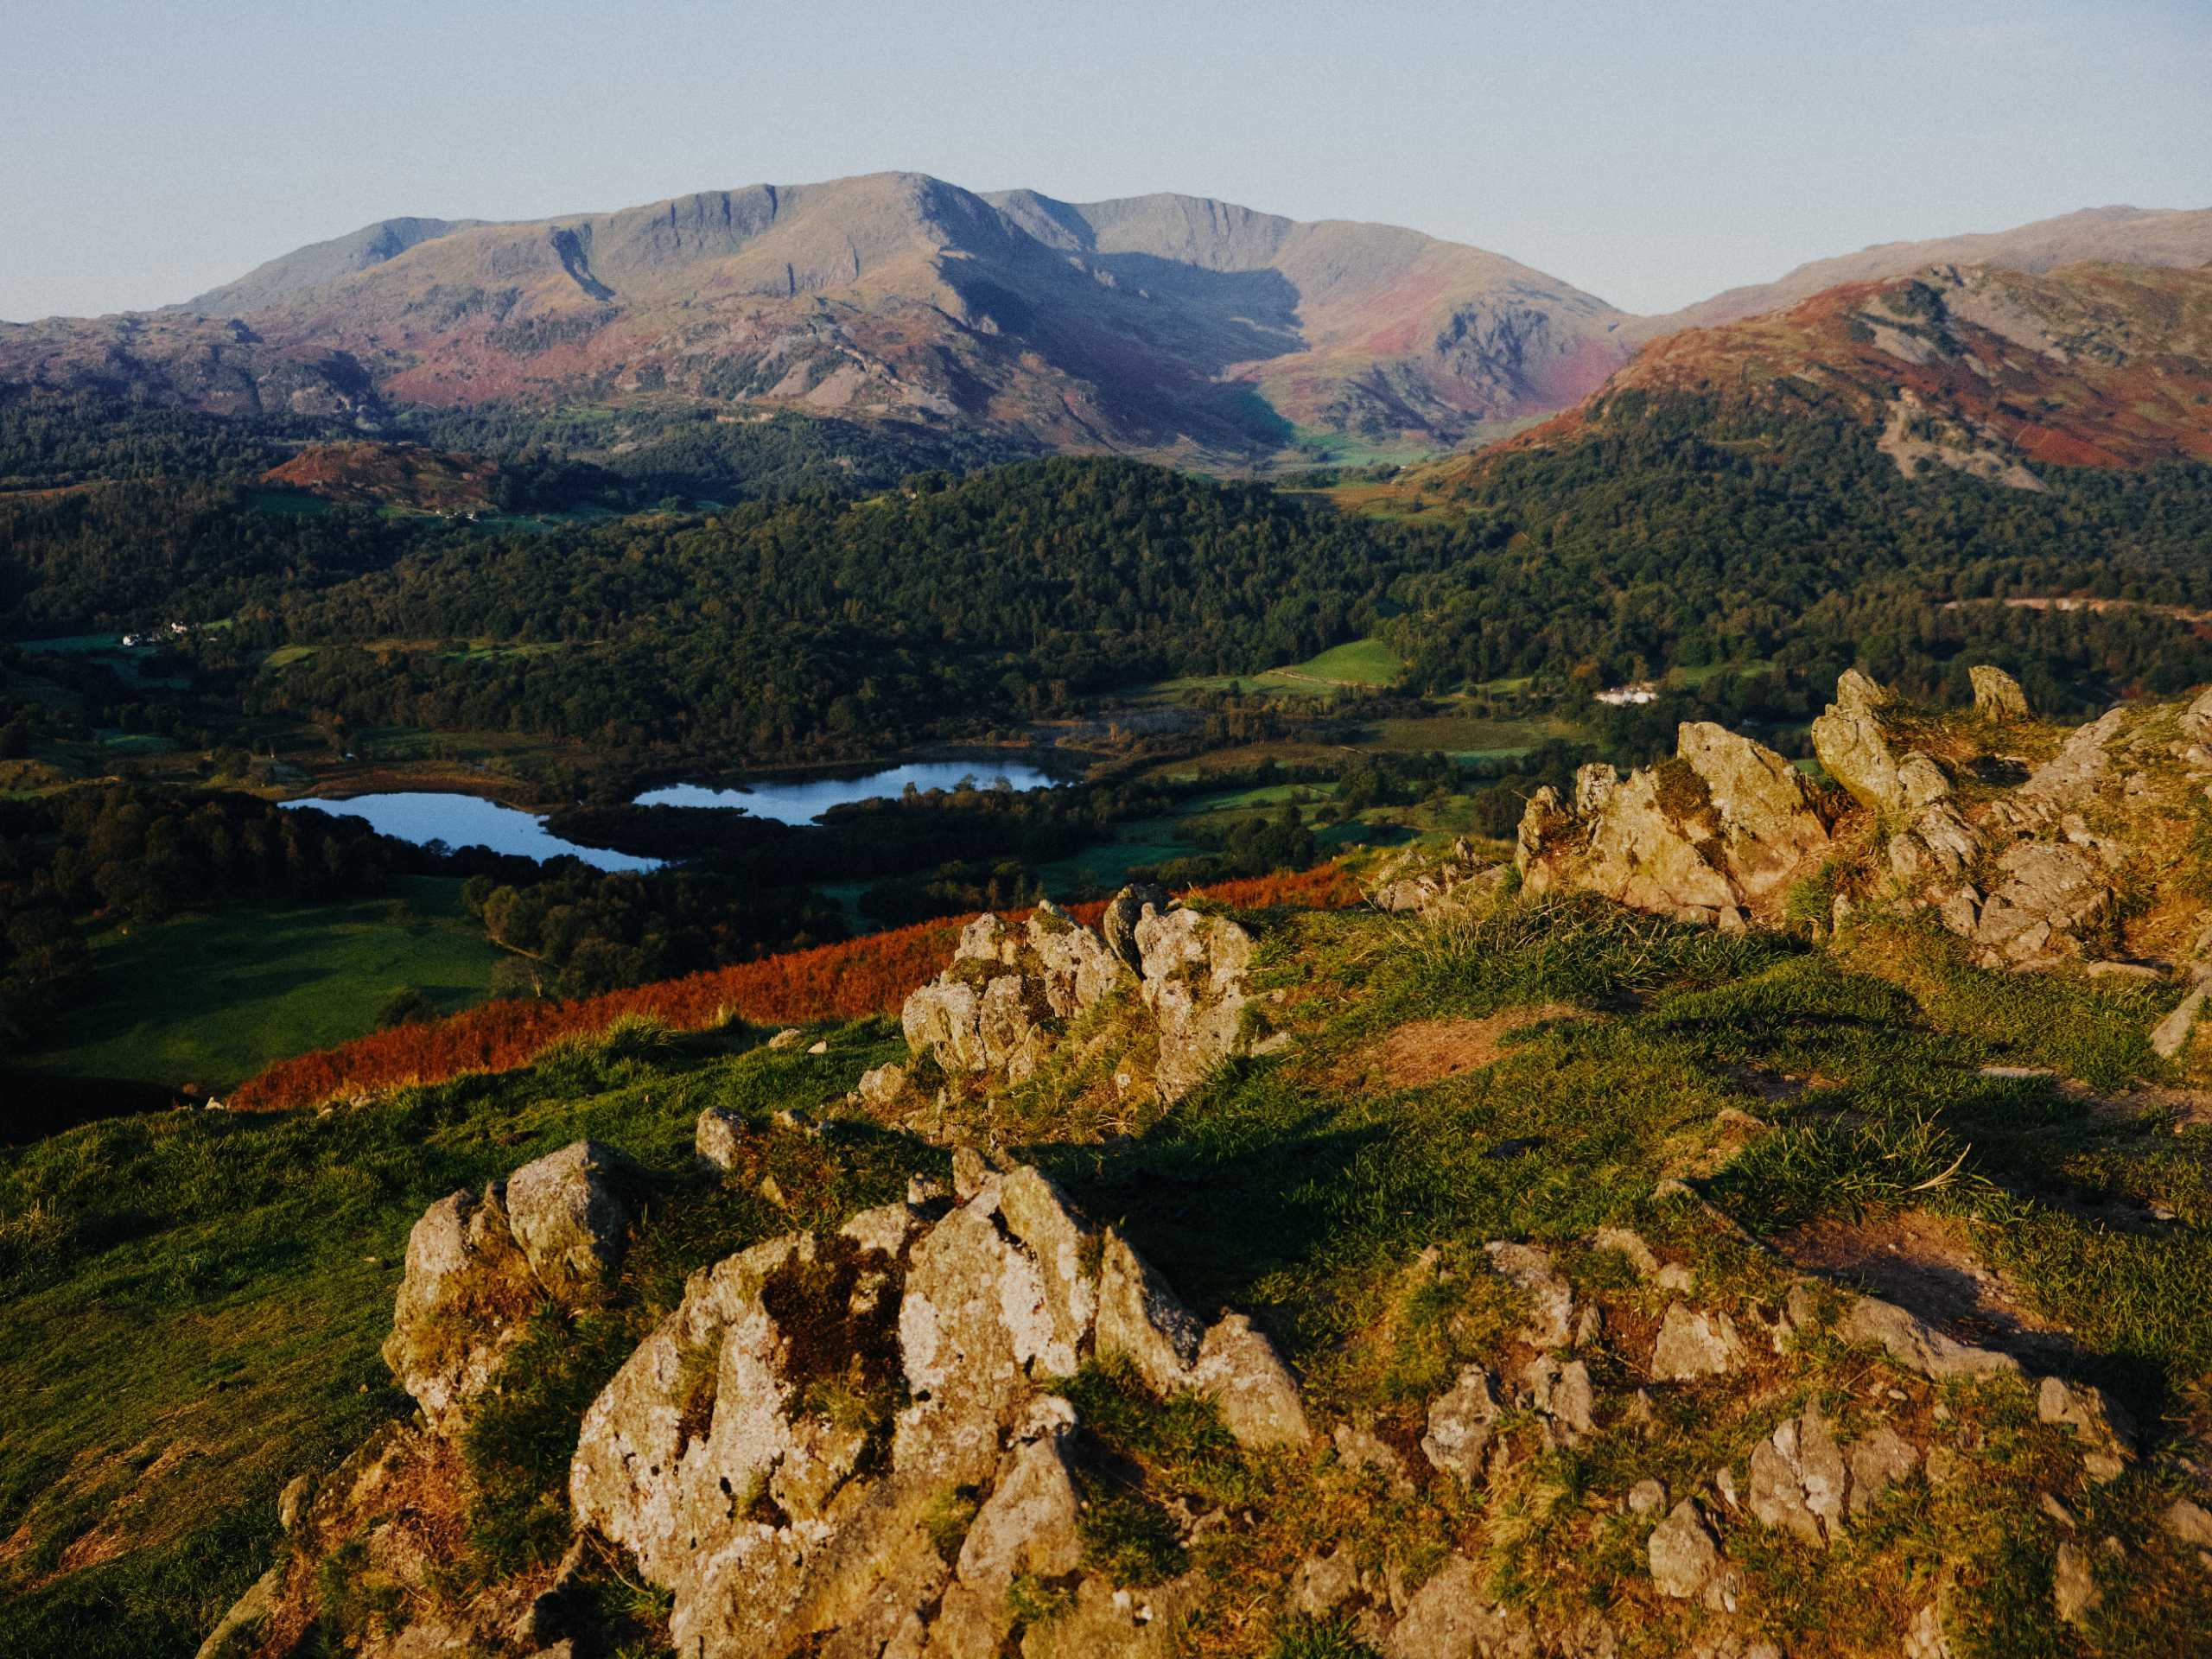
{"x": 1362, "y": 663}
{"x": 210, "y": 999}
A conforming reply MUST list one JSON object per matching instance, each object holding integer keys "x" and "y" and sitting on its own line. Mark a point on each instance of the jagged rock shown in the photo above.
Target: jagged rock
{"x": 1803, "y": 1482}
{"x": 1240, "y": 1369}
{"x": 2067, "y": 777}
{"x": 1562, "y": 1393}
{"x": 476, "y": 1272}
{"x": 1123, "y": 912}
{"x": 719, "y": 1138}
{"x": 2074, "y": 1584}
{"x": 1416, "y": 881}
{"x": 1139, "y": 1319}
{"x": 1685, "y": 1561}
{"x": 1028, "y": 1526}
{"x": 1550, "y": 1322}
{"x": 773, "y": 1453}
{"x": 1852, "y": 746}
{"x": 1194, "y": 974}
{"x": 1703, "y": 836}
{"x": 1010, "y": 993}
{"x": 1799, "y": 1480}
{"x": 2050, "y": 892}
{"x": 1695, "y": 1343}
{"x": 1997, "y": 694}
{"x": 1461, "y": 1424}
{"x": 1647, "y": 1497}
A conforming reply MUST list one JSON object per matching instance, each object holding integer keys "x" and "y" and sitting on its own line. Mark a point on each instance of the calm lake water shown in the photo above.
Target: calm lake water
{"x": 803, "y": 800}
{"x": 422, "y": 816}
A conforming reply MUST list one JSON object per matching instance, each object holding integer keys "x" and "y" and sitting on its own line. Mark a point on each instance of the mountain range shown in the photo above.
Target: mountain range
{"x": 1177, "y": 326}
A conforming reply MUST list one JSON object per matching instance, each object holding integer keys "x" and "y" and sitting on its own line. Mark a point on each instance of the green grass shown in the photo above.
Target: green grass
{"x": 1469, "y": 735}
{"x": 1359, "y": 664}
{"x": 212, "y": 999}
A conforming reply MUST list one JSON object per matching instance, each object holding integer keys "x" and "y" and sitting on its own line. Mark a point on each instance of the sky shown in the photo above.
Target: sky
{"x": 1652, "y": 153}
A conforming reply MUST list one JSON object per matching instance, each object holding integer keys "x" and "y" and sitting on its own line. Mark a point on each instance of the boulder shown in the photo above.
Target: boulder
{"x": 478, "y": 1268}
{"x": 1123, "y": 912}
{"x": 1997, "y": 694}
{"x": 566, "y": 1212}
{"x": 2048, "y": 893}
{"x": 1849, "y": 740}
{"x": 2074, "y": 1587}
{"x": 1705, "y": 837}
{"x": 1450, "y": 1616}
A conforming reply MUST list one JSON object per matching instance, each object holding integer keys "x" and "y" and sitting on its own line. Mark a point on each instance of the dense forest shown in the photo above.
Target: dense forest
{"x": 841, "y": 616}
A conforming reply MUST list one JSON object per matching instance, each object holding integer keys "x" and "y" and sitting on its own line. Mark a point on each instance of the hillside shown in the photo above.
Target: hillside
{"x": 386, "y": 474}
{"x": 2127, "y": 236}
{"x": 1163, "y": 323}
{"x": 1521, "y": 1272}
{"x": 1995, "y": 373}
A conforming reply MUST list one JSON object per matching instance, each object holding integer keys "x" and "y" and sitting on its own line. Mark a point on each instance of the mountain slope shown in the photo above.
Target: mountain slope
{"x": 319, "y": 263}
{"x": 1167, "y": 324}
{"x": 1990, "y": 372}
{"x": 2132, "y": 235}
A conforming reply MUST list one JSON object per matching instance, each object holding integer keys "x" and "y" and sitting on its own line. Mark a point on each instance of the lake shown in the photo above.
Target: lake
{"x": 423, "y": 816}
{"x": 803, "y": 800}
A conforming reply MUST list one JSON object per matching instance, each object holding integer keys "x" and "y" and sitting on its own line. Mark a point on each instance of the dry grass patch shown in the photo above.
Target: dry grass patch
{"x": 1427, "y": 1051}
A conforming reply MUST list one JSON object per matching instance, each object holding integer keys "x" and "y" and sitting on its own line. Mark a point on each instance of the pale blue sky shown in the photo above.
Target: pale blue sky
{"x": 1653, "y": 153}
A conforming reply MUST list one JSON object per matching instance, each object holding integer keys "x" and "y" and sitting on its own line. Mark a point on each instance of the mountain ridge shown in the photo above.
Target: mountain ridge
{"x": 1188, "y": 329}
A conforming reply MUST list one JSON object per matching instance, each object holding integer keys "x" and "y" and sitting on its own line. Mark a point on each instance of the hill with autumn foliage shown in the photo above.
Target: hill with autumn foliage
{"x": 1990, "y": 372}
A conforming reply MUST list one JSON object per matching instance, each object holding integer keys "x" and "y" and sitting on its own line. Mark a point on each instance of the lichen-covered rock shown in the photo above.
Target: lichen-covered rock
{"x": 1705, "y": 837}
{"x": 1997, "y": 694}
{"x": 566, "y": 1212}
{"x": 1800, "y": 1482}
{"x": 2049, "y": 893}
{"x": 477, "y": 1269}
{"x": 1529, "y": 1268}
{"x": 1009, "y": 994}
{"x": 1195, "y": 970}
{"x": 718, "y": 1139}
{"x": 1852, "y": 746}
{"x": 779, "y": 1452}
{"x": 1451, "y": 1616}
{"x": 1909, "y": 1340}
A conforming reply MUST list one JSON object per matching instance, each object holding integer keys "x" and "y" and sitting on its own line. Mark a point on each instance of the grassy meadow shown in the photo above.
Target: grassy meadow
{"x": 210, "y": 999}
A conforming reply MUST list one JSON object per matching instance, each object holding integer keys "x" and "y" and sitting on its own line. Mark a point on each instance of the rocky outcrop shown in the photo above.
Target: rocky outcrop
{"x": 1010, "y": 994}
{"x": 775, "y": 1454}
{"x": 1711, "y": 836}
{"x": 1416, "y": 881}
{"x": 479, "y": 1267}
